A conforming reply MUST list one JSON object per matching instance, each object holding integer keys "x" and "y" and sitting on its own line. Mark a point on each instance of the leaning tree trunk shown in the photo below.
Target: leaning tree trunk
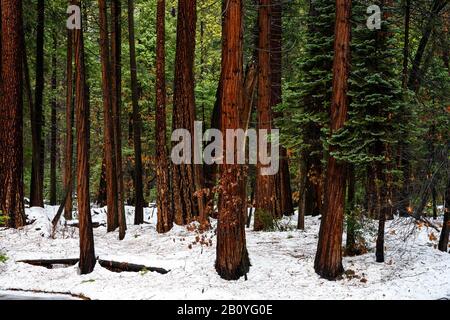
{"x": 11, "y": 114}
{"x": 53, "y": 129}
{"x": 183, "y": 180}
{"x": 111, "y": 174}
{"x": 232, "y": 261}
{"x": 284, "y": 192}
{"x": 138, "y": 184}
{"x": 328, "y": 261}
{"x": 37, "y": 115}
{"x": 164, "y": 203}
{"x": 265, "y": 196}
{"x": 87, "y": 253}
{"x": 116, "y": 91}
{"x": 68, "y": 159}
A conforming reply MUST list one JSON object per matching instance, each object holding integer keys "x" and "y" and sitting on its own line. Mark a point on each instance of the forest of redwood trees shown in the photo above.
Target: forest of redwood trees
{"x": 92, "y": 90}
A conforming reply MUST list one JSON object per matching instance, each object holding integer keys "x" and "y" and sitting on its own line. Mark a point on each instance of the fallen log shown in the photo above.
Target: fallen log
{"x": 51, "y": 262}
{"x": 129, "y": 267}
{"x": 94, "y": 225}
{"x": 113, "y": 266}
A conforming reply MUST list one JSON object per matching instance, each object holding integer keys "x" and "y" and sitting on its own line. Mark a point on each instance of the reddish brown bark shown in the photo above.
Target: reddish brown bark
{"x": 328, "y": 262}
{"x": 283, "y": 180}
{"x": 265, "y": 196}
{"x": 116, "y": 91}
{"x": 87, "y": 254}
{"x": 165, "y": 214}
{"x": 110, "y": 159}
{"x": 232, "y": 260}
{"x": 138, "y": 184}
{"x": 11, "y": 114}
{"x": 68, "y": 159}
{"x": 53, "y": 129}
{"x": 183, "y": 176}
{"x": 37, "y": 115}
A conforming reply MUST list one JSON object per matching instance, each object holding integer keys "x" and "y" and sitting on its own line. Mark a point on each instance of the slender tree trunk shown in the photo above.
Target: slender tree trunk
{"x": 68, "y": 160}
{"x": 350, "y": 245}
{"x": 414, "y": 80}
{"x": 53, "y": 139}
{"x": 406, "y": 43}
{"x": 138, "y": 184}
{"x": 165, "y": 214}
{"x": 328, "y": 262}
{"x": 101, "y": 194}
{"x": 232, "y": 261}
{"x": 443, "y": 241}
{"x": 382, "y": 203}
{"x": 265, "y": 197}
{"x": 301, "y": 190}
{"x": 37, "y": 116}
{"x": 11, "y": 114}
{"x": 276, "y": 60}
{"x": 87, "y": 253}
{"x": 183, "y": 180}
{"x": 111, "y": 173}
{"x": 116, "y": 87}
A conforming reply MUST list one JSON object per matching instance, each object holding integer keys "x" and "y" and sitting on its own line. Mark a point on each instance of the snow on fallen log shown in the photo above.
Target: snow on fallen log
{"x": 113, "y": 266}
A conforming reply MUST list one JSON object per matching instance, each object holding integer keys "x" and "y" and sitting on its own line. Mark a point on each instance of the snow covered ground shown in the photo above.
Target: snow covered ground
{"x": 282, "y": 263}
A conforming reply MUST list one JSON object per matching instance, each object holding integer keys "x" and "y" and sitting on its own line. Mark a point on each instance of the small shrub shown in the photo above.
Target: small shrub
{"x": 3, "y": 258}
{"x": 265, "y": 218}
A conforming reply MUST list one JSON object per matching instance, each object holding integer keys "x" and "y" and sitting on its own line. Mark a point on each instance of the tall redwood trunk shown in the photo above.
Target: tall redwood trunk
{"x": 138, "y": 184}
{"x": 183, "y": 175}
{"x": 37, "y": 115}
{"x": 68, "y": 145}
{"x": 165, "y": 214}
{"x": 283, "y": 179}
{"x": 232, "y": 261}
{"x": 265, "y": 196}
{"x": 110, "y": 159}
{"x": 11, "y": 114}
{"x": 87, "y": 253}
{"x": 328, "y": 262}
{"x": 116, "y": 90}
{"x": 53, "y": 129}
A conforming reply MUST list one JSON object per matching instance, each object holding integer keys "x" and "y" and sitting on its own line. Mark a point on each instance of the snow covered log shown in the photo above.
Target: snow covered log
{"x": 113, "y": 266}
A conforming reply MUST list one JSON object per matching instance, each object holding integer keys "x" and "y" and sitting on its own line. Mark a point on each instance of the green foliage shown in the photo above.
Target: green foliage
{"x": 266, "y": 219}
{"x": 308, "y": 97}
{"x": 375, "y": 93}
{"x": 3, "y": 258}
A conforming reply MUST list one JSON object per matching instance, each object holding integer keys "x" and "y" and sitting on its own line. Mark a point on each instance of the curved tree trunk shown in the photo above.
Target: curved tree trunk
{"x": 11, "y": 114}
{"x": 328, "y": 262}
{"x": 232, "y": 261}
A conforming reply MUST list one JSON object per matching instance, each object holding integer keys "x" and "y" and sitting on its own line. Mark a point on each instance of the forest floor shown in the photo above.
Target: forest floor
{"x": 282, "y": 262}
